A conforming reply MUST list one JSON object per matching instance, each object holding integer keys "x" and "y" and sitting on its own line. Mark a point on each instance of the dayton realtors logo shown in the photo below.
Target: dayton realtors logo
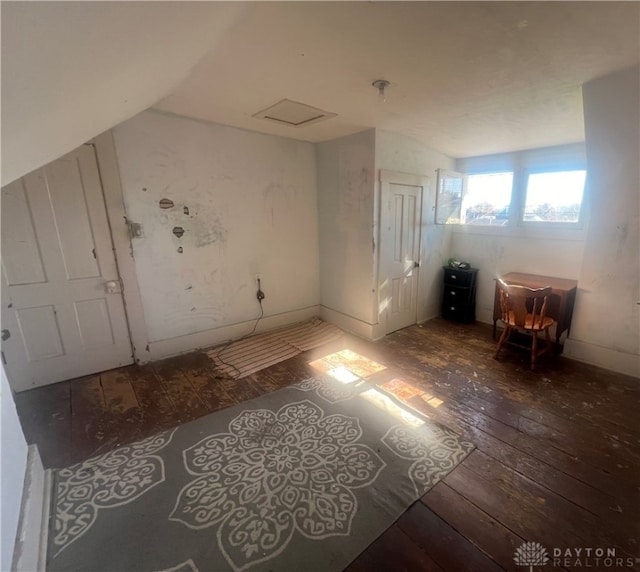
{"x": 534, "y": 554}
{"x": 531, "y": 554}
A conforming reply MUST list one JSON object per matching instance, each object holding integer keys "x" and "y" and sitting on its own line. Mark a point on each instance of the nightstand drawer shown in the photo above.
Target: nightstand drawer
{"x": 458, "y": 312}
{"x": 455, "y": 294}
{"x": 458, "y": 277}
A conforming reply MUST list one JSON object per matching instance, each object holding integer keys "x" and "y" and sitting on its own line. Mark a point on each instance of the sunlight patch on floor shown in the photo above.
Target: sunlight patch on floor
{"x": 405, "y": 391}
{"x": 384, "y": 402}
{"x": 355, "y": 363}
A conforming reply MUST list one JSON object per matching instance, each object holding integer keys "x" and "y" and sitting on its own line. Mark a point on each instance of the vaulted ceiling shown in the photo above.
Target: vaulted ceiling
{"x": 466, "y": 78}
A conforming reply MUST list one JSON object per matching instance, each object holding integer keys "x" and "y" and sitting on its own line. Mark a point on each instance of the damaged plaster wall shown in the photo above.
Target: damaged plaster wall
{"x": 606, "y": 321}
{"x": 217, "y": 206}
{"x": 403, "y": 154}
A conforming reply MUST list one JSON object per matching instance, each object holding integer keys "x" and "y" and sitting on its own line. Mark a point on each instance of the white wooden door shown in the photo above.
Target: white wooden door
{"x": 400, "y": 224}
{"x": 62, "y": 309}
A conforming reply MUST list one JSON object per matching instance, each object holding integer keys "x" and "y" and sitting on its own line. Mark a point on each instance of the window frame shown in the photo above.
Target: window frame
{"x": 441, "y": 175}
{"x": 570, "y": 157}
{"x": 551, "y": 224}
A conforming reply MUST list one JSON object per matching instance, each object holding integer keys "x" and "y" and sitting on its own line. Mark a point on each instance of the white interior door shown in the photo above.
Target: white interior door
{"x": 62, "y": 309}
{"x": 400, "y": 224}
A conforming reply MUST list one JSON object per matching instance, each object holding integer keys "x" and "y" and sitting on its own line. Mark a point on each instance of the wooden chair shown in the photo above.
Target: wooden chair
{"x": 523, "y": 308}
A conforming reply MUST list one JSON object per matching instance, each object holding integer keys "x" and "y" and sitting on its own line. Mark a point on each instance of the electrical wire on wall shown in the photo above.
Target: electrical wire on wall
{"x": 260, "y": 296}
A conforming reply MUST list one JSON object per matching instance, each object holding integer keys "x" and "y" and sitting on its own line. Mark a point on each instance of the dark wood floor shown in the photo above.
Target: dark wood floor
{"x": 557, "y": 458}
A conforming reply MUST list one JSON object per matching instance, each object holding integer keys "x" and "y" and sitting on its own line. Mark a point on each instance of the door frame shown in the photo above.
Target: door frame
{"x": 109, "y": 172}
{"x": 385, "y": 179}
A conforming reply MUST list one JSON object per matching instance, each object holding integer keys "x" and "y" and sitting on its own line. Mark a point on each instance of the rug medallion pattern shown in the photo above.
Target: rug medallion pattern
{"x": 275, "y": 473}
{"x": 432, "y": 457}
{"x": 113, "y": 479}
{"x": 331, "y": 392}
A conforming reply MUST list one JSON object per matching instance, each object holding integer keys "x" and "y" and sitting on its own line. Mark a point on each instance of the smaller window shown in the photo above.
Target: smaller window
{"x": 554, "y": 197}
{"x": 487, "y": 199}
{"x": 451, "y": 187}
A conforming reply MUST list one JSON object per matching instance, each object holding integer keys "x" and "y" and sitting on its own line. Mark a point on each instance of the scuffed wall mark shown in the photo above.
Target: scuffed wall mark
{"x": 189, "y": 287}
{"x": 355, "y": 189}
{"x": 178, "y": 231}
{"x": 622, "y": 240}
{"x": 166, "y": 204}
{"x": 185, "y": 210}
{"x": 180, "y": 250}
{"x": 209, "y": 231}
{"x": 373, "y": 245}
{"x": 147, "y": 348}
{"x": 278, "y": 198}
{"x": 144, "y": 189}
{"x": 496, "y": 251}
{"x": 193, "y": 309}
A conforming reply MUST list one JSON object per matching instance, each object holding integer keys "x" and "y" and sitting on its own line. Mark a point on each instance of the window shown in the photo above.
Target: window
{"x": 554, "y": 197}
{"x": 487, "y": 199}
{"x": 541, "y": 187}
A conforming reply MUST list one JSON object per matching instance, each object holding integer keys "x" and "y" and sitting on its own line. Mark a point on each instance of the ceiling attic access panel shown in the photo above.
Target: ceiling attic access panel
{"x": 293, "y": 114}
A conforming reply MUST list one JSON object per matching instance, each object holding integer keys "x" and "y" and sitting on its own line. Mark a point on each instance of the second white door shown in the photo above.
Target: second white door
{"x": 400, "y": 224}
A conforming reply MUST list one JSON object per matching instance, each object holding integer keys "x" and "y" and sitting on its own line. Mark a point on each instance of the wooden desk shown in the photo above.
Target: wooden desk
{"x": 559, "y": 305}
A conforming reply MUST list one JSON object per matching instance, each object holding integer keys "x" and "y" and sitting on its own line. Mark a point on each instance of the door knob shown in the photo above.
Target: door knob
{"x": 112, "y": 286}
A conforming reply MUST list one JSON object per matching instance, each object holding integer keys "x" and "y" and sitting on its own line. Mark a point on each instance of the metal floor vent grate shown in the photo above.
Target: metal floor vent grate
{"x": 293, "y": 113}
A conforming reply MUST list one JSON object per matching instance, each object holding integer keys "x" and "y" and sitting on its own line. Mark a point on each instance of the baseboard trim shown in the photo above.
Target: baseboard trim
{"x": 607, "y": 358}
{"x": 183, "y": 344}
{"x": 350, "y": 324}
{"x": 30, "y": 552}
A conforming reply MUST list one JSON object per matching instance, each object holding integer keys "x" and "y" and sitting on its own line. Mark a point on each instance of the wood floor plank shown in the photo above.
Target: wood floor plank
{"x": 395, "y": 551}
{"x": 89, "y": 419}
{"x": 485, "y": 532}
{"x": 448, "y": 548}
{"x": 157, "y": 410}
{"x": 118, "y": 393}
{"x": 524, "y": 506}
{"x": 187, "y": 403}
{"x": 585, "y": 470}
{"x": 45, "y": 415}
{"x": 198, "y": 368}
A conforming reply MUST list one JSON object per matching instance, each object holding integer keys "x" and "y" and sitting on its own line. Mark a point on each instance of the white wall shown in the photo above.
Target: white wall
{"x": 399, "y": 153}
{"x": 606, "y": 322}
{"x": 496, "y": 252}
{"x": 252, "y": 208}
{"x": 346, "y": 182}
{"x": 12, "y": 472}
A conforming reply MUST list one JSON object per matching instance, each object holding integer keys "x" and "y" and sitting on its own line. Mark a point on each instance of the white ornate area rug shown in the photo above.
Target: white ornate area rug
{"x": 301, "y": 479}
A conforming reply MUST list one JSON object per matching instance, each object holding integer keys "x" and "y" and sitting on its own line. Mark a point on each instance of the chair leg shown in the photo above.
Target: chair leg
{"x": 550, "y": 348}
{"x": 503, "y": 338}
{"x": 534, "y": 349}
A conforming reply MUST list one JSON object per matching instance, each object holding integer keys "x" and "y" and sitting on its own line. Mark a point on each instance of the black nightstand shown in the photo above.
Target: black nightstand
{"x": 459, "y": 297}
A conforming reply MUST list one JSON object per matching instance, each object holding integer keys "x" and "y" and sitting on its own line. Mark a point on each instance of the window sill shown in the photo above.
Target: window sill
{"x": 529, "y": 231}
